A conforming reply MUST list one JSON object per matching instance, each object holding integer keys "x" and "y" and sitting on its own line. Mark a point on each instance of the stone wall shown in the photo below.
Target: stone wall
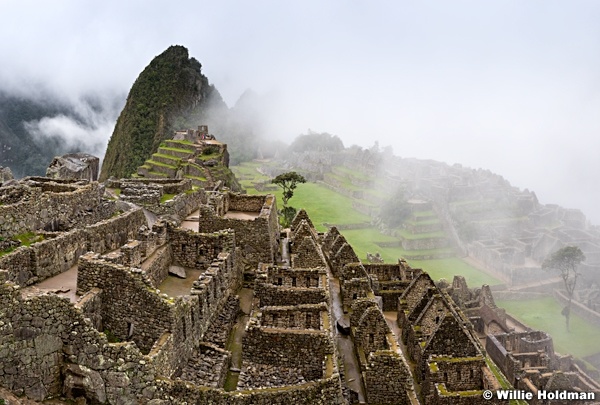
{"x": 304, "y": 350}
{"x": 325, "y": 391}
{"x": 257, "y": 238}
{"x": 181, "y": 205}
{"x": 246, "y": 203}
{"x": 46, "y": 201}
{"x": 269, "y": 294}
{"x": 387, "y": 378}
{"x": 283, "y": 286}
{"x": 198, "y": 250}
{"x": 158, "y": 270}
{"x": 580, "y": 309}
{"x": 458, "y": 374}
{"x": 207, "y": 367}
{"x": 305, "y": 316}
{"x": 48, "y": 349}
{"x": 130, "y": 309}
{"x": 113, "y": 233}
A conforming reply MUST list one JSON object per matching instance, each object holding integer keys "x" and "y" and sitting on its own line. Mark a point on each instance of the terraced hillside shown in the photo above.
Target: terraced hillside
{"x": 204, "y": 163}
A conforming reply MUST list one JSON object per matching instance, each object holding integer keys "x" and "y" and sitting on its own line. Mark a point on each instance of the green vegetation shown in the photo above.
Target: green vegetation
{"x": 503, "y": 381}
{"x": 111, "y": 337}
{"x": 288, "y": 183}
{"x": 394, "y": 211}
{"x": 542, "y": 314}
{"x": 25, "y": 239}
{"x": 566, "y": 261}
{"x": 314, "y": 141}
{"x": 166, "y": 197}
{"x": 167, "y": 89}
{"x": 448, "y": 268}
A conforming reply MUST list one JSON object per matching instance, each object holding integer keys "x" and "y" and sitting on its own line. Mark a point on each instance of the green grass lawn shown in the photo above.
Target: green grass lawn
{"x": 545, "y": 314}
{"x": 448, "y": 268}
{"x": 326, "y": 206}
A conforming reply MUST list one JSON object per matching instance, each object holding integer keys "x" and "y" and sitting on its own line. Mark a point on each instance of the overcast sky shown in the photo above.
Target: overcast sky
{"x": 510, "y": 86}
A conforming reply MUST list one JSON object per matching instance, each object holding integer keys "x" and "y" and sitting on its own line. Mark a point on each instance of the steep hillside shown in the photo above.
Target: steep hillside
{"x": 18, "y": 149}
{"x": 170, "y": 88}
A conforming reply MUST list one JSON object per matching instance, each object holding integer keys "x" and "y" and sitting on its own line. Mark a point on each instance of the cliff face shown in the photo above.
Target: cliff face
{"x": 169, "y": 89}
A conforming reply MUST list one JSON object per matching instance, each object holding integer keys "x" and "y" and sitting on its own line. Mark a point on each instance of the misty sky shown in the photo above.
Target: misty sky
{"x": 510, "y": 86}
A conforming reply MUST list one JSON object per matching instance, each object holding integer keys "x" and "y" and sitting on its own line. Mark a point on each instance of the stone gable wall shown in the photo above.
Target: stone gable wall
{"x": 306, "y": 254}
{"x": 387, "y": 379}
{"x": 371, "y": 332}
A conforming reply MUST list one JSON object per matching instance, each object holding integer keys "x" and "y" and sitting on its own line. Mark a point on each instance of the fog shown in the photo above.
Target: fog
{"x": 509, "y": 86}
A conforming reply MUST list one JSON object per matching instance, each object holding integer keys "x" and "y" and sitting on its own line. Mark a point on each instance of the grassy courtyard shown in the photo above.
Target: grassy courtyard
{"x": 545, "y": 314}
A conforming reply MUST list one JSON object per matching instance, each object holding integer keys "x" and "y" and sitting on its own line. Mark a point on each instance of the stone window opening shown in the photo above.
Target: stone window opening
{"x": 437, "y": 319}
{"x": 129, "y": 330}
{"x": 354, "y": 296}
{"x": 183, "y": 327}
{"x": 275, "y": 320}
{"x": 371, "y": 338}
{"x": 293, "y": 281}
{"x": 279, "y": 281}
{"x": 445, "y": 376}
{"x": 308, "y": 281}
{"x": 308, "y": 321}
{"x": 471, "y": 374}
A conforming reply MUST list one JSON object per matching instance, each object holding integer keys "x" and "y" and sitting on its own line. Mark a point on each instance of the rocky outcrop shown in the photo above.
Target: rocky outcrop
{"x": 74, "y": 166}
{"x": 172, "y": 86}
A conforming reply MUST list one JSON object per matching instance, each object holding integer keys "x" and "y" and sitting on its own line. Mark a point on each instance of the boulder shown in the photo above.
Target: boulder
{"x": 5, "y": 174}
{"x": 177, "y": 271}
{"x": 74, "y": 166}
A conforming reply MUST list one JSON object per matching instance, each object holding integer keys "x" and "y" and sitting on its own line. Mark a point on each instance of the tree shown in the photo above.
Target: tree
{"x": 566, "y": 260}
{"x": 288, "y": 182}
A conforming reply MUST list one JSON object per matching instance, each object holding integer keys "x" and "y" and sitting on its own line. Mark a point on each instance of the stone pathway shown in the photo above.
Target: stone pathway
{"x": 344, "y": 343}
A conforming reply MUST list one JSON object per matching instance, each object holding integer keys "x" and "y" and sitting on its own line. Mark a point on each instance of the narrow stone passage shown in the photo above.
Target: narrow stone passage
{"x": 344, "y": 344}
{"x": 234, "y": 343}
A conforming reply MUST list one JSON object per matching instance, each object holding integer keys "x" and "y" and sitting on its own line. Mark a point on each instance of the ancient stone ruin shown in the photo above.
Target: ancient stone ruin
{"x": 91, "y": 309}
